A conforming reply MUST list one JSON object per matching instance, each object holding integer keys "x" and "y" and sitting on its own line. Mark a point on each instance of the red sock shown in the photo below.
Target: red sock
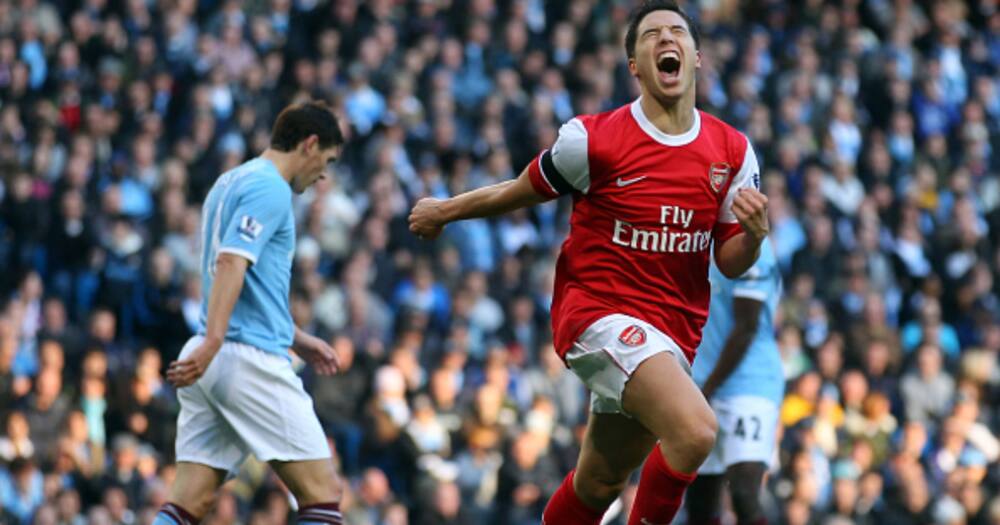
{"x": 661, "y": 490}
{"x": 565, "y": 508}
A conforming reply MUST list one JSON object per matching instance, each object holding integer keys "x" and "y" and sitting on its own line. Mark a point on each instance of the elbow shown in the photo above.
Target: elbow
{"x": 724, "y": 262}
{"x": 728, "y": 271}
{"x": 729, "y": 268}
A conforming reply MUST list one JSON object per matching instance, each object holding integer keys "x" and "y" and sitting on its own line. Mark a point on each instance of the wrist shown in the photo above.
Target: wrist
{"x": 752, "y": 241}
{"x": 447, "y": 210}
{"x": 213, "y": 341}
{"x": 301, "y": 338}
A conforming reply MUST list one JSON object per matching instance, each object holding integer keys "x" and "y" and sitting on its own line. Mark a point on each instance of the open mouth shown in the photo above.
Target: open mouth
{"x": 669, "y": 62}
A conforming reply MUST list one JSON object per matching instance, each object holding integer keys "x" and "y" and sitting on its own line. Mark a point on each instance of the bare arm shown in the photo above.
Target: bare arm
{"x": 737, "y": 254}
{"x": 230, "y": 270}
{"x": 746, "y": 314}
{"x": 429, "y": 216}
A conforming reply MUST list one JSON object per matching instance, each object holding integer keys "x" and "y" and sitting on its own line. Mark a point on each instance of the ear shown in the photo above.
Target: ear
{"x": 697, "y": 59}
{"x": 310, "y": 143}
{"x": 633, "y": 69}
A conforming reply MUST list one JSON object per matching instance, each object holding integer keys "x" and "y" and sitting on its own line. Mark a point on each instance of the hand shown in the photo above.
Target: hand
{"x": 427, "y": 218}
{"x": 186, "y": 371}
{"x": 750, "y": 208}
{"x": 317, "y": 353}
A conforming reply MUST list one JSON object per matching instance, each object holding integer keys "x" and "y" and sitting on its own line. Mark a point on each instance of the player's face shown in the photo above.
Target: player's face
{"x": 315, "y": 161}
{"x": 665, "y": 56}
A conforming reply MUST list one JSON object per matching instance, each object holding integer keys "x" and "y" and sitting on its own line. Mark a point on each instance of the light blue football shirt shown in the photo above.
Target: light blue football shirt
{"x": 248, "y": 212}
{"x": 759, "y": 373}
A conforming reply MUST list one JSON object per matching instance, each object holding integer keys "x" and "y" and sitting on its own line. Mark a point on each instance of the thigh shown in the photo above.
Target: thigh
{"x": 748, "y": 476}
{"x": 745, "y": 482}
{"x": 663, "y": 397}
{"x": 311, "y": 482}
{"x": 610, "y": 350}
{"x": 204, "y": 437}
{"x": 265, "y": 403}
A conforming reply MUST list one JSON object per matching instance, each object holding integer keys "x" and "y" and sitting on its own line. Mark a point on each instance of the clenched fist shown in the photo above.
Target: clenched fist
{"x": 427, "y": 218}
{"x": 750, "y": 208}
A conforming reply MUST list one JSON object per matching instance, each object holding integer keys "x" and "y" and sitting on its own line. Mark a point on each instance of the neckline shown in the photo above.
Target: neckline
{"x": 665, "y": 138}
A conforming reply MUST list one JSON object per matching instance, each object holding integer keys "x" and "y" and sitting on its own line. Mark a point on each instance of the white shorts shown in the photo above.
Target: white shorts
{"x": 609, "y": 351}
{"x": 248, "y": 402}
{"x": 748, "y": 427}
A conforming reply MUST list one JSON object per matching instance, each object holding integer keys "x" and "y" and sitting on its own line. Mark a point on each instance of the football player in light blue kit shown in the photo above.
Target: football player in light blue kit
{"x": 739, "y": 370}
{"x": 237, "y": 390}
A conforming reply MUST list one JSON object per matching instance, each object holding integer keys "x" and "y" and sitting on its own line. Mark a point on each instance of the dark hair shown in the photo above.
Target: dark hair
{"x": 648, "y": 7}
{"x": 295, "y": 123}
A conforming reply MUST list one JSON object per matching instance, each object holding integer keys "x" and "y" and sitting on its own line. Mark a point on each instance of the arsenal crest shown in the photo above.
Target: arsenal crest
{"x": 634, "y": 335}
{"x": 718, "y": 174}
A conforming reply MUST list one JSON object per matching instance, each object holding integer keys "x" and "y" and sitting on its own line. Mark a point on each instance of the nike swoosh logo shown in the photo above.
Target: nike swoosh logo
{"x": 625, "y": 182}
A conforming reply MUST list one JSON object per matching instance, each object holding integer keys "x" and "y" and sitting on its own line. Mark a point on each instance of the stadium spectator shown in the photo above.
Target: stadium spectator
{"x": 877, "y": 126}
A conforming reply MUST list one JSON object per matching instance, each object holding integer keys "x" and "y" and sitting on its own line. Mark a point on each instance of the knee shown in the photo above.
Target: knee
{"x": 746, "y": 498}
{"x": 701, "y": 436}
{"x": 326, "y": 487}
{"x": 598, "y": 491}
{"x": 329, "y": 492}
{"x": 195, "y": 499}
{"x": 198, "y": 505}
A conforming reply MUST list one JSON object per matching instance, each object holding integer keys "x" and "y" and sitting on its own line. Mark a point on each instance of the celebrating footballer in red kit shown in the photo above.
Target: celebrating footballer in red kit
{"x": 656, "y": 186}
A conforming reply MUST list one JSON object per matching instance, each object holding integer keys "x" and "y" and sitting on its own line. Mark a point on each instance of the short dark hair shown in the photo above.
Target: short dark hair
{"x": 296, "y": 122}
{"x": 648, "y": 7}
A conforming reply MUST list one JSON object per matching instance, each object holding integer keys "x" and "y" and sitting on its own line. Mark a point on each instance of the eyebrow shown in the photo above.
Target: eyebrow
{"x": 660, "y": 27}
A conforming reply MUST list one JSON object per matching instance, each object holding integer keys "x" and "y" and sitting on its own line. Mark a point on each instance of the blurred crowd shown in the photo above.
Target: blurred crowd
{"x": 877, "y": 124}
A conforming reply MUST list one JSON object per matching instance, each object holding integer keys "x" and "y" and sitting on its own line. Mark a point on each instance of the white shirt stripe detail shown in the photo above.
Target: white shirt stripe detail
{"x": 541, "y": 169}
{"x": 242, "y": 253}
{"x": 570, "y": 157}
{"x": 756, "y": 295}
{"x": 743, "y": 179}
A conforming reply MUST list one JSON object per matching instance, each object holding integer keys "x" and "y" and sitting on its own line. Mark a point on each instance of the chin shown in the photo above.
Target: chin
{"x": 668, "y": 95}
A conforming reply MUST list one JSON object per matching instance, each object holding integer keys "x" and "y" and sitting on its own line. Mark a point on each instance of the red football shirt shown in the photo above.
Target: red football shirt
{"x": 646, "y": 207}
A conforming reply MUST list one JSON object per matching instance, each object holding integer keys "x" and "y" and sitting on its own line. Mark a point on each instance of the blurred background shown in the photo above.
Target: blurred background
{"x": 876, "y": 123}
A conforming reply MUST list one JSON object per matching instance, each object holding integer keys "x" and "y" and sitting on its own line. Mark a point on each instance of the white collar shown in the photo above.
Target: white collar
{"x": 663, "y": 138}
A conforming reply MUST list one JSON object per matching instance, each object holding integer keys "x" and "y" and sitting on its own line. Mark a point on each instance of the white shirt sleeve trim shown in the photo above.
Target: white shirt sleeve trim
{"x": 756, "y": 295}
{"x": 744, "y": 179}
{"x": 569, "y": 154}
{"x": 242, "y": 253}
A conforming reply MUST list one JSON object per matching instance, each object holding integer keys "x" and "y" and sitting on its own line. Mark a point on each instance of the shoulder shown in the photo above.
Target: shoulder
{"x": 262, "y": 182}
{"x": 606, "y": 132}
{"x": 734, "y": 141}
{"x": 610, "y": 120}
{"x": 576, "y": 133}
